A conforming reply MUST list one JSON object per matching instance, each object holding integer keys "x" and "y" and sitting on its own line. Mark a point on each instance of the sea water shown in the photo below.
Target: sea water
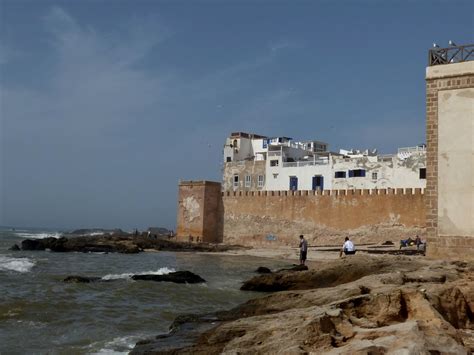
{"x": 40, "y": 314}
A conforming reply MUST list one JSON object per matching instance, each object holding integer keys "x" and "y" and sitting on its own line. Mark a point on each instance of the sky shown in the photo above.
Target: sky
{"x": 106, "y": 104}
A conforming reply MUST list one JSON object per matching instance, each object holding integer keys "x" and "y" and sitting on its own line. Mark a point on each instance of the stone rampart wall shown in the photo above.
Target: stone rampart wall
{"x": 325, "y": 217}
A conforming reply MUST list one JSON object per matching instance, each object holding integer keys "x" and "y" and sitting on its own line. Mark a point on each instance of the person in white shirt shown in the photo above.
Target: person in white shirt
{"x": 348, "y": 248}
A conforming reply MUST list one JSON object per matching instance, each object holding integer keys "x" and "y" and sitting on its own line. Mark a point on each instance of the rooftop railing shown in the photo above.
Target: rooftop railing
{"x": 305, "y": 163}
{"x": 454, "y": 54}
{"x": 416, "y": 149}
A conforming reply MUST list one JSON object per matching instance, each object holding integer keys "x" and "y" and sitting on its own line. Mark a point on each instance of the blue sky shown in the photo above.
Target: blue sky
{"x": 106, "y": 104}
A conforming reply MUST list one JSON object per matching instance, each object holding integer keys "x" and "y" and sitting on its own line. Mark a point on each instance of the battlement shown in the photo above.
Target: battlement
{"x": 334, "y": 193}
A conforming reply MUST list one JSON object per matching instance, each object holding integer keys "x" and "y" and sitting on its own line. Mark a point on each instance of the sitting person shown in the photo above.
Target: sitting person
{"x": 348, "y": 248}
{"x": 406, "y": 242}
{"x": 418, "y": 241}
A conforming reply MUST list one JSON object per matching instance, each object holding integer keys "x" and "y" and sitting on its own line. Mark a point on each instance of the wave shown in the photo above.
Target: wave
{"x": 119, "y": 345}
{"x": 16, "y": 264}
{"x": 160, "y": 271}
{"x": 39, "y": 235}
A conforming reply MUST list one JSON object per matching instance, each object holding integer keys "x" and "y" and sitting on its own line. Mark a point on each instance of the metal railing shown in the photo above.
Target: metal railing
{"x": 454, "y": 54}
{"x": 305, "y": 163}
{"x": 416, "y": 149}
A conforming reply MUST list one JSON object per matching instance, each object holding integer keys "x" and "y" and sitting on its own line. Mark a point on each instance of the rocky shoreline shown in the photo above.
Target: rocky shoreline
{"x": 360, "y": 304}
{"x": 117, "y": 243}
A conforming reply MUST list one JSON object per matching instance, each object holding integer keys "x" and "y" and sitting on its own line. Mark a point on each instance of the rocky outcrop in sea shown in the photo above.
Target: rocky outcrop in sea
{"x": 116, "y": 243}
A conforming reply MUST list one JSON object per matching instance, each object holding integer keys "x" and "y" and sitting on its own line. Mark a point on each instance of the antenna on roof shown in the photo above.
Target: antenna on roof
{"x": 451, "y": 43}
{"x": 435, "y": 45}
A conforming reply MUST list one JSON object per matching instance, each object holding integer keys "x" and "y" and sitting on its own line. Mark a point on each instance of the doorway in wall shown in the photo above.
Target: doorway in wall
{"x": 318, "y": 182}
{"x": 293, "y": 183}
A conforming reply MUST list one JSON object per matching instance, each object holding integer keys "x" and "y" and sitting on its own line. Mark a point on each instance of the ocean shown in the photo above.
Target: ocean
{"x": 40, "y": 314}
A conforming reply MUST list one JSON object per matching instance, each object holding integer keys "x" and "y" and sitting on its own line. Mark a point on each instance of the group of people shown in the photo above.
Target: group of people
{"x": 410, "y": 242}
{"x": 348, "y": 248}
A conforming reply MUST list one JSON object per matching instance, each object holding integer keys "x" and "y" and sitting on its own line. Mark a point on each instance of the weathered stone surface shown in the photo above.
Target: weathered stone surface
{"x": 335, "y": 273}
{"x": 14, "y": 247}
{"x": 180, "y": 277}
{"x": 375, "y": 313}
{"x": 263, "y": 270}
{"x": 115, "y": 243}
{"x": 81, "y": 279}
{"x": 295, "y": 268}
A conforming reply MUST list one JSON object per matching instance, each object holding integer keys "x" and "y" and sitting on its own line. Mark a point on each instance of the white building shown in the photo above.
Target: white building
{"x": 254, "y": 162}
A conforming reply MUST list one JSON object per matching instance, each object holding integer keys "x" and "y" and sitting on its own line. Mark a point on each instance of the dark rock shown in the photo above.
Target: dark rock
{"x": 388, "y": 242}
{"x": 32, "y": 244}
{"x": 180, "y": 277}
{"x": 81, "y": 279}
{"x": 15, "y": 247}
{"x": 116, "y": 243}
{"x": 295, "y": 268}
{"x": 430, "y": 278}
{"x": 263, "y": 270}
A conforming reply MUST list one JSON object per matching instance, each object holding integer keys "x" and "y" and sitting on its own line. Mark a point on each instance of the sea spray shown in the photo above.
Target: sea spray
{"x": 16, "y": 264}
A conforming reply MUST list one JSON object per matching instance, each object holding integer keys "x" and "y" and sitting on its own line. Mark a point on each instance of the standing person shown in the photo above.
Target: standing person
{"x": 303, "y": 249}
{"x": 347, "y": 248}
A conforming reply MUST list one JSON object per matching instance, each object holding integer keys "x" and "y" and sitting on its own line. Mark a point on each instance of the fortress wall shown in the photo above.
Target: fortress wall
{"x": 324, "y": 217}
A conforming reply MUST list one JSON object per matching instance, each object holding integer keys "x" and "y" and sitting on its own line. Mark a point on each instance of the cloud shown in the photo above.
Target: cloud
{"x": 102, "y": 128}
{"x": 285, "y": 44}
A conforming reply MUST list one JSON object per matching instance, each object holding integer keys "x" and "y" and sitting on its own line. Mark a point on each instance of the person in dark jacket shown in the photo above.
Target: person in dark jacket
{"x": 303, "y": 249}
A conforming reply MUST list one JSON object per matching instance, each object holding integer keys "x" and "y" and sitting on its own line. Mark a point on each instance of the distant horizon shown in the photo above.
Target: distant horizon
{"x": 56, "y": 229}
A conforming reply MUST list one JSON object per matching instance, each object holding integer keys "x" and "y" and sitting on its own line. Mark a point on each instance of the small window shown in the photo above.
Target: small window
{"x": 261, "y": 180}
{"x": 340, "y": 174}
{"x": 273, "y": 162}
{"x": 423, "y": 173}
{"x": 374, "y": 176}
{"x": 357, "y": 173}
{"x": 248, "y": 181}
{"x": 229, "y": 159}
{"x": 236, "y": 180}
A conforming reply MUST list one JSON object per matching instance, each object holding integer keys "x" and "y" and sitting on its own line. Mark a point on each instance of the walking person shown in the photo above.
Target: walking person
{"x": 303, "y": 249}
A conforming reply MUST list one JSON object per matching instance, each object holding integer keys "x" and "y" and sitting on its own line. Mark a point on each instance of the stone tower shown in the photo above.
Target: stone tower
{"x": 199, "y": 212}
{"x": 450, "y": 153}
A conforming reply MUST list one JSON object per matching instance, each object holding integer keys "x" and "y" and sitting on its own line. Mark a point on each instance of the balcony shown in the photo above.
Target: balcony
{"x": 298, "y": 164}
{"x": 454, "y": 54}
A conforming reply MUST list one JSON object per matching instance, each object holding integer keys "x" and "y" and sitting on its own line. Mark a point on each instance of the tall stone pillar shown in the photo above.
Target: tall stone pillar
{"x": 450, "y": 160}
{"x": 199, "y": 212}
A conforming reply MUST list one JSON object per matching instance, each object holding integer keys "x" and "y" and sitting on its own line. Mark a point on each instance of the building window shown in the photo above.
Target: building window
{"x": 374, "y": 176}
{"x": 248, "y": 181}
{"x": 273, "y": 162}
{"x": 229, "y": 159}
{"x": 423, "y": 173}
{"x": 236, "y": 180}
{"x": 261, "y": 180}
{"x": 357, "y": 173}
{"x": 340, "y": 174}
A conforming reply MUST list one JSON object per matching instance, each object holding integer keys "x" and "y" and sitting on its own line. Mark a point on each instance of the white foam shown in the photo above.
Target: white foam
{"x": 121, "y": 345}
{"x": 160, "y": 271}
{"x": 39, "y": 235}
{"x": 16, "y": 264}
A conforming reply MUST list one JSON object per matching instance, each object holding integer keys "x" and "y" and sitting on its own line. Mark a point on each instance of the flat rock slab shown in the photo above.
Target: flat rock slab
{"x": 81, "y": 279}
{"x": 179, "y": 277}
